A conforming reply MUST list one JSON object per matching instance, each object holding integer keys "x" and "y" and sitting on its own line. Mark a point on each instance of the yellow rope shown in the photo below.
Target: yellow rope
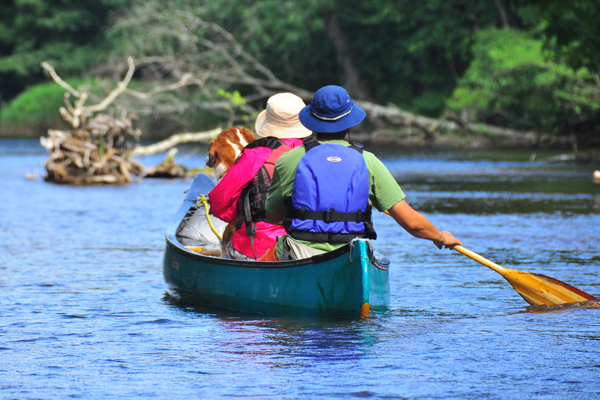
{"x": 206, "y": 207}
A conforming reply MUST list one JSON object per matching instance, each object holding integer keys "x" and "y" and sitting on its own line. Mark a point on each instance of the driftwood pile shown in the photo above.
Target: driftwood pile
{"x": 99, "y": 148}
{"x": 95, "y": 152}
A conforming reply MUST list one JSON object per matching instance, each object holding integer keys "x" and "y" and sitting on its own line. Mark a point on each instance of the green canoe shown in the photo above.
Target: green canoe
{"x": 344, "y": 283}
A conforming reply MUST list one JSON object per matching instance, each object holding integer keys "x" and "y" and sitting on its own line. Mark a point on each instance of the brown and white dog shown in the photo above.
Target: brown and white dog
{"x": 222, "y": 153}
{"x": 223, "y": 150}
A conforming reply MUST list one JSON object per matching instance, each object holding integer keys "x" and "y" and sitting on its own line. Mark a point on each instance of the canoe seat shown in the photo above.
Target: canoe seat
{"x": 204, "y": 251}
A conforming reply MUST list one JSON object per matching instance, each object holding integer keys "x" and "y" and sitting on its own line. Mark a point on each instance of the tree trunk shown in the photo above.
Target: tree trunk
{"x": 353, "y": 82}
{"x": 502, "y": 13}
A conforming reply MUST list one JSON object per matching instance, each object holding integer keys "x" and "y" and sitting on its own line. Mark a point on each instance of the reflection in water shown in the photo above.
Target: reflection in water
{"x": 255, "y": 336}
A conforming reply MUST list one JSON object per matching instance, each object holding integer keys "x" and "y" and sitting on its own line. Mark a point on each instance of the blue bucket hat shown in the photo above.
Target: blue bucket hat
{"x": 331, "y": 110}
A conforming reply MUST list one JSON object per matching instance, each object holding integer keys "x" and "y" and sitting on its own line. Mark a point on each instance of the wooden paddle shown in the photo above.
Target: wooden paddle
{"x": 536, "y": 289}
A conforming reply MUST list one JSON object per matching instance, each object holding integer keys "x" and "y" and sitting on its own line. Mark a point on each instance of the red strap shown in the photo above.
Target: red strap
{"x": 274, "y": 156}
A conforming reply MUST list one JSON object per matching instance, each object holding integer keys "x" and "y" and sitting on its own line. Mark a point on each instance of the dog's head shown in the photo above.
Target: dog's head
{"x": 223, "y": 151}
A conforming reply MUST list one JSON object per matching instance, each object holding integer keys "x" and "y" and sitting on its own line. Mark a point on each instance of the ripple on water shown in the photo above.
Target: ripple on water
{"x": 83, "y": 311}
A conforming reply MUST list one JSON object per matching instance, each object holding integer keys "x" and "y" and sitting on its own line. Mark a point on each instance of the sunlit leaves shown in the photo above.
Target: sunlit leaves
{"x": 511, "y": 83}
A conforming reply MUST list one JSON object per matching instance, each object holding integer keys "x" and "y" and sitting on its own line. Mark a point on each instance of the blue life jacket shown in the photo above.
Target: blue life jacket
{"x": 330, "y": 198}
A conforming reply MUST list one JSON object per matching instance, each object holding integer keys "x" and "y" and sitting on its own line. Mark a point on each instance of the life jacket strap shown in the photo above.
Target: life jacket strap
{"x": 310, "y": 143}
{"x": 253, "y": 197}
{"x": 332, "y": 215}
{"x": 329, "y": 237}
{"x": 270, "y": 142}
{"x": 357, "y": 146}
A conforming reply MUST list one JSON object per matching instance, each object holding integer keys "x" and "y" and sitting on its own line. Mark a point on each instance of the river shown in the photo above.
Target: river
{"x": 84, "y": 311}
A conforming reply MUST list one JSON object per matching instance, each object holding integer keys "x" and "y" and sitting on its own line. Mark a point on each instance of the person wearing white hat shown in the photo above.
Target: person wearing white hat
{"x": 280, "y": 118}
{"x": 243, "y": 190}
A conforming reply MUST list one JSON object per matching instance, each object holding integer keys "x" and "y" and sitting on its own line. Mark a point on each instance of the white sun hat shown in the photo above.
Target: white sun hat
{"x": 280, "y": 119}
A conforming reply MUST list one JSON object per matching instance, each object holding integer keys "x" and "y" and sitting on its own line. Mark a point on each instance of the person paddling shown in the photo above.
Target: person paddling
{"x": 324, "y": 191}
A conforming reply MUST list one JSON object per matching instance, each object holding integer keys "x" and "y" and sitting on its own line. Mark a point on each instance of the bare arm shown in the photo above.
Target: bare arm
{"x": 417, "y": 225}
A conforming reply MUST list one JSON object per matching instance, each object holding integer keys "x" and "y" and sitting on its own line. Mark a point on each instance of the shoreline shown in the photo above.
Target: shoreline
{"x": 566, "y": 149}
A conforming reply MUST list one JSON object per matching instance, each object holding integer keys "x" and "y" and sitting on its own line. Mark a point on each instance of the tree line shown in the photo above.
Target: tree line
{"x": 528, "y": 65}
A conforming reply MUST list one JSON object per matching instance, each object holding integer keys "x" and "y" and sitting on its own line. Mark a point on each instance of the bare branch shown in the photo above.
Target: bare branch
{"x": 186, "y": 79}
{"x": 115, "y": 92}
{"x": 58, "y": 80}
{"x": 175, "y": 140}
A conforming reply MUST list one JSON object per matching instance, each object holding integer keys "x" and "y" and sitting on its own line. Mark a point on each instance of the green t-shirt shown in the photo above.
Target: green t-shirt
{"x": 384, "y": 191}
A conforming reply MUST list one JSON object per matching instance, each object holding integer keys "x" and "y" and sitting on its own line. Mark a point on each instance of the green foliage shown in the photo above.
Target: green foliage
{"x": 36, "y": 108}
{"x": 234, "y": 97}
{"x": 288, "y": 36}
{"x": 412, "y": 52}
{"x": 510, "y": 83}
{"x": 415, "y": 54}
{"x": 66, "y": 33}
{"x": 569, "y": 29}
{"x": 406, "y": 52}
{"x": 39, "y": 103}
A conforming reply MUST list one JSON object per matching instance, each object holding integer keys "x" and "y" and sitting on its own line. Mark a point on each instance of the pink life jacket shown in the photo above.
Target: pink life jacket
{"x": 225, "y": 198}
{"x": 251, "y": 204}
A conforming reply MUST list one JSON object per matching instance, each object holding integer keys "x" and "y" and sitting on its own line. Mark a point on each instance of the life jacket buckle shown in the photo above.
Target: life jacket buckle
{"x": 327, "y": 215}
{"x": 302, "y": 215}
{"x": 358, "y": 146}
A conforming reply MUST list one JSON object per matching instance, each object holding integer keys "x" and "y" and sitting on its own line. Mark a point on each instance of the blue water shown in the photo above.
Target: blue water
{"x": 84, "y": 311}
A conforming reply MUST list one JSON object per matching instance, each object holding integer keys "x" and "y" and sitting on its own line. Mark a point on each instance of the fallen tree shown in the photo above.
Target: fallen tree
{"x": 174, "y": 140}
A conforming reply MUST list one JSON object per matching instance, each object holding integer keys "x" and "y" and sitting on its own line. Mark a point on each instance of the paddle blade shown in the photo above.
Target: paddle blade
{"x": 538, "y": 289}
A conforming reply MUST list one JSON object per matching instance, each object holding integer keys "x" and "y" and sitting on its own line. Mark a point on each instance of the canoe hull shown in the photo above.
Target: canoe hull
{"x": 334, "y": 284}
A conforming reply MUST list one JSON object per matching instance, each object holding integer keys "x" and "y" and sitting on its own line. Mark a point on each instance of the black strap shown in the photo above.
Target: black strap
{"x": 250, "y": 226}
{"x": 270, "y": 142}
{"x": 310, "y": 143}
{"x": 327, "y": 236}
{"x": 357, "y": 146}
{"x": 332, "y": 215}
{"x": 251, "y": 210}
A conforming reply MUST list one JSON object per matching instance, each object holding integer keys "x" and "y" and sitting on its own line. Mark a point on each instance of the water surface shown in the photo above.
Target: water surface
{"x": 84, "y": 311}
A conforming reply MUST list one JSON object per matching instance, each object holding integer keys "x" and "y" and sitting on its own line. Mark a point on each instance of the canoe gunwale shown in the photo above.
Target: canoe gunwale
{"x": 178, "y": 247}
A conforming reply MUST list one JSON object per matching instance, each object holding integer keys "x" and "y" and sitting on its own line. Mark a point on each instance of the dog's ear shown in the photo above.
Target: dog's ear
{"x": 210, "y": 162}
{"x": 213, "y": 158}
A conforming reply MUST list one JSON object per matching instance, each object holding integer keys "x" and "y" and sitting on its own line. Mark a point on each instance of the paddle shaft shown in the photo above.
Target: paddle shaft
{"x": 480, "y": 259}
